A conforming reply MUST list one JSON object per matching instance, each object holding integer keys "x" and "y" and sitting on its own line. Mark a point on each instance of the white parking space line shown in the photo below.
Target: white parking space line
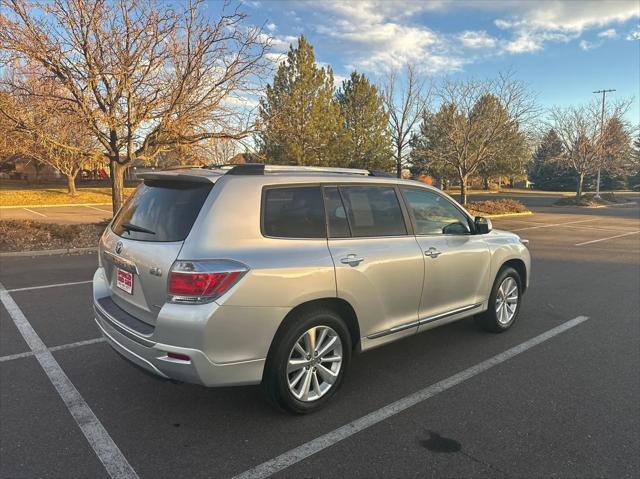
{"x": 314, "y": 446}
{"x": 77, "y": 344}
{"x": 11, "y": 357}
{"x": 56, "y": 285}
{"x": 596, "y": 228}
{"x": 99, "y": 209}
{"x": 99, "y": 439}
{"x": 606, "y": 239}
{"x": 554, "y": 224}
{"x": 34, "y": 212}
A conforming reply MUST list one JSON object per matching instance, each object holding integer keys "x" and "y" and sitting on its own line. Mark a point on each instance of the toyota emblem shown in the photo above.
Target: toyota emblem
{"x": 119, "y": 246}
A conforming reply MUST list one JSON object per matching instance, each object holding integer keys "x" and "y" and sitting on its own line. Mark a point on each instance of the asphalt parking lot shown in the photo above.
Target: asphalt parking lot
{"x": 558, "y": 395}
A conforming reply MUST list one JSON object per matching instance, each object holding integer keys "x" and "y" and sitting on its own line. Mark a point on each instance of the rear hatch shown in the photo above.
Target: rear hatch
{"x": 145, "y": 238}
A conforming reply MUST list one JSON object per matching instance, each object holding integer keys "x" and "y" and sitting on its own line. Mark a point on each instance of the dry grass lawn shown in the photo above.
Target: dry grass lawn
{"x": 54, "y": 196}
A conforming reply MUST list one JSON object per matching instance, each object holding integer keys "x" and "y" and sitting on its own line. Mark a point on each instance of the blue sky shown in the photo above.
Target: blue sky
{"x": 563, "y": 50}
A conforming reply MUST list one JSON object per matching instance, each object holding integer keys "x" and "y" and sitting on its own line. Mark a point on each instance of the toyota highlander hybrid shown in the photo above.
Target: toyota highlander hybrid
{"x": 276, "y": 275}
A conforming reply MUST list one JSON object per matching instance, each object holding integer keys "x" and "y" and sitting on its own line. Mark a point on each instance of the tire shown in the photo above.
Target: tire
{"x": 500, "y": 316}
{"x": 277, "y": 380}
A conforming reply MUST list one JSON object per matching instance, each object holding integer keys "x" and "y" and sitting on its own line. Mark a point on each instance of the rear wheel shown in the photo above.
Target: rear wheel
{"x": 307, "y": 363}
{"x": 504, "y": 302}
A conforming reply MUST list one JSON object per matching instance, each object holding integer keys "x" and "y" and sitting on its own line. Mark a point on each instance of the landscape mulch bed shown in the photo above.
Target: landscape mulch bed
{"x": 23, "y": 235}
{"x": 589, "y": 200}
{"x": 496, "y": 207}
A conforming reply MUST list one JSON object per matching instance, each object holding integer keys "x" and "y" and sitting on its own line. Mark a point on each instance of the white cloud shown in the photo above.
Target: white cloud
{"x": 276, "y": 58}
{"x": 634, "y": 34}
{"x": 534, "y": 24}
{"x": 241, "y": 101}
{"x": 586, "y": 45}
{"x": 569, "y": 16}
{"x": 272, "y": 27}
{"x": 279, "y": 43}
{"x": 525, "y": 42}
{"x": 608, "y": 33}
{"x": 378, "y": 35}
{"x": 379, "y": 38}
{"x": 477, "y": 39}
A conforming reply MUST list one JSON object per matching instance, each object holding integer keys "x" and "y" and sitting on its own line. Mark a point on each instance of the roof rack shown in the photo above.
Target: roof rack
{"x": 261, "y": 169}
{"x": 181, "y": 167}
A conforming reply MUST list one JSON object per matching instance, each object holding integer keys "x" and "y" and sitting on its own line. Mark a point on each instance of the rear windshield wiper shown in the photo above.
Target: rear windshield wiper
{"x": 128, "y": 227}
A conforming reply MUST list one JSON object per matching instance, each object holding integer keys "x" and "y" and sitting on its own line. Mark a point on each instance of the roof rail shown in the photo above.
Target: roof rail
{"x": 261, "y": 169}
{"x": 181, "y": 167}
{"x": 384, "y": 174}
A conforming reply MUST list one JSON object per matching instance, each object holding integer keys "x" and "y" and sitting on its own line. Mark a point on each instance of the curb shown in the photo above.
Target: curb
{"x": 53, "y": 206}
{"x": 47, "y": 252}
{"x": 612, "y": 205}
{"x": 502, "y": 215}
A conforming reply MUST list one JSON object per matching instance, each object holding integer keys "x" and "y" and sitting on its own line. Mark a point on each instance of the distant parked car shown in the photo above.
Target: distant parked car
{"x": 275, "y": 275}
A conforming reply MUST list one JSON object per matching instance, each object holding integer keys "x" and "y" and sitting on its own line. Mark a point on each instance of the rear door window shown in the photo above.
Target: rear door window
{"x": 373, "y": 211}
{"x": 294, "y": 212}
{"x": 162, "y": 211}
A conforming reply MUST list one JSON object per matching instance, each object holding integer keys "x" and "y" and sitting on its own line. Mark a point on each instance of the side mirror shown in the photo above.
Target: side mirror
{"x": 483, "y": 225}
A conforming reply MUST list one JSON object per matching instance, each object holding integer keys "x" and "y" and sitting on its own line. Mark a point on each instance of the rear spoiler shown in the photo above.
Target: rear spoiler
{"x": 176, "y": 175}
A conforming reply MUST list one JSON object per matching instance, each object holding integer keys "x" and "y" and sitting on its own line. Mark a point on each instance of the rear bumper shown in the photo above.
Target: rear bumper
{"x": 146, "y": 352}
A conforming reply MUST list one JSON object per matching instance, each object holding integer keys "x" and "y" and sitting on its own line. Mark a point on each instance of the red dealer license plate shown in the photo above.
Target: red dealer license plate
{"x": 124, "y": 281}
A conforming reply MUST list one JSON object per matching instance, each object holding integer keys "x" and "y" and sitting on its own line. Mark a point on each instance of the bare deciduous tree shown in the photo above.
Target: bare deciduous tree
{"x": 405, "y": 100}
{"x": 143, "y": 76}
{"x": 587, "y": 146}
{"x": 36, "y": 130}
{"x": 477, "y": 122}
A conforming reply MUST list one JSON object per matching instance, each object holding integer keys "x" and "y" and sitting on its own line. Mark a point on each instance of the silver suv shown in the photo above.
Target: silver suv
{"x": 275, "y": 275}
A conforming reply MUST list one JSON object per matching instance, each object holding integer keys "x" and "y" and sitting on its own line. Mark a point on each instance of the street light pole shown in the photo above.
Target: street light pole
{"x": 604, "y": 94}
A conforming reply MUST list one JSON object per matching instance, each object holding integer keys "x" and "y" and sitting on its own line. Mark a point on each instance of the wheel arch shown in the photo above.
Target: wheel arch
{"x": 338, "y": 305}
{"x": 519, "y": 266}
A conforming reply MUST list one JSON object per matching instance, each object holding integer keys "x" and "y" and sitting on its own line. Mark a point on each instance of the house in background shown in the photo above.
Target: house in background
{"x": 20, "y": 168}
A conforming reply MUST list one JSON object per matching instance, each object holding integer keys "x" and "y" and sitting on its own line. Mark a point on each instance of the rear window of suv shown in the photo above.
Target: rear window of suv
{"x": 161, "y": 210}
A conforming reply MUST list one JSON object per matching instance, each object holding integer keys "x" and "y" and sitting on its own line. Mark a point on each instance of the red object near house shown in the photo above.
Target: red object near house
{"x": 425, "y": 179}
{"x": 103, "y": 174}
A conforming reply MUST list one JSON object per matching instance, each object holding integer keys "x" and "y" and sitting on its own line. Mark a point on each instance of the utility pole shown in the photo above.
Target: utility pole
{"x": 604, "y": 94}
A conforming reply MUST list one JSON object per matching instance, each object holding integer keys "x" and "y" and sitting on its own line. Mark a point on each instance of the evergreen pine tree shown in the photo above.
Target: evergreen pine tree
{"x": 301, "y": 120}
{"x": 545, "y": 171}
{"x": 367, "y": 140}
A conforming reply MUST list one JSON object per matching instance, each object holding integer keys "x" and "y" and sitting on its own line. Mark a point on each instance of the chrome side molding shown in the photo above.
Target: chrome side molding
{"x": 426, "y": 320}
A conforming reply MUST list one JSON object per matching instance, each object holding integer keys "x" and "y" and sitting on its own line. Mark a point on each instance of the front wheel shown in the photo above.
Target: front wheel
{"x": 504, "y": 302}
{"x": 308, "y": 361}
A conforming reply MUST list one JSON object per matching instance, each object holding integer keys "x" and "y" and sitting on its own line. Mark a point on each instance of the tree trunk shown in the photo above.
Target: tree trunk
{"x": 38, "y": 167}
{"x": 485, "y": 183}
{"x": 117, "y": 185}
{"x": 463, "y": 189}
{"x": 580, "y": 181}
{"x": 71, "y": 185}
{"x": 399, "y": 162}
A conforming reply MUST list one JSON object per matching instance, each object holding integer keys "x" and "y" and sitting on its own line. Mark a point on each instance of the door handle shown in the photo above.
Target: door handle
{"x": 434, "y": 253}
{"x": 352, "y": 260}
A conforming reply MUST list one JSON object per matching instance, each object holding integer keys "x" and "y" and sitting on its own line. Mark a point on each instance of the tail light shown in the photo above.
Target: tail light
{"x": 203, "y": 281}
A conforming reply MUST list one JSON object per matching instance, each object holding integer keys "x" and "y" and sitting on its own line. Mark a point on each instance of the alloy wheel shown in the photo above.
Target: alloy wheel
{"x": 507, "y": 301}
{"x": 314, "y": 363}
